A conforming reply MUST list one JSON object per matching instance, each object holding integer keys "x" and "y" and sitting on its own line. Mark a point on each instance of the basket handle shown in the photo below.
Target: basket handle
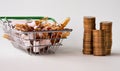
{"x": 25, "y": 17}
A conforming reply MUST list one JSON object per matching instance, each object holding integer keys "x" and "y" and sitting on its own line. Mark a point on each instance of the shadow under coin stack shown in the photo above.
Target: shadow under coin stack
{"x": 89, "y": 25}
{"x": 98, "y": 43}
{"x": 107, "y": 27}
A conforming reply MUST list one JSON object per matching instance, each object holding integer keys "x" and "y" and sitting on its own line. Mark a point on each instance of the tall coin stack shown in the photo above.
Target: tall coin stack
{"x": 98, "y": 43}
{"x": 89, "y": 25}
{"x": 107, "y": 27}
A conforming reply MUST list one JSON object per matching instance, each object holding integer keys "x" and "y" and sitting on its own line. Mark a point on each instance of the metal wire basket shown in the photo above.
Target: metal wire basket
{"x": 33, "y": 44}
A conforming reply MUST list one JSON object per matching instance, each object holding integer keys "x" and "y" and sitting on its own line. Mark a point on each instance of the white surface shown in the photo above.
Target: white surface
{"x": 69, "y": 57}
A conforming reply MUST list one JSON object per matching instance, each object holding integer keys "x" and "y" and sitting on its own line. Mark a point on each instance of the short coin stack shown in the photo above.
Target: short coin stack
{"x": 89, "y": 25}
{"x": 107, "y": 27}
{"x": 98, "y": 43}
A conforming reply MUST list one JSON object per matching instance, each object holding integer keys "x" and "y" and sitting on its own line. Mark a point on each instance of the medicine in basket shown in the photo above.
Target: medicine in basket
{"x": 27, "y": 43}
{"x": 36, "y": 45}
{"x": 45, "y": 42}
{"x": 32, "y": 24}
{"x": 23, "y": 36}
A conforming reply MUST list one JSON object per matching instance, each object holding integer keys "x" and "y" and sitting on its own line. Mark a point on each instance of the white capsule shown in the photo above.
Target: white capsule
{"x": 45, "y": 42}
{"x": 23, "y": 36}
{"x": 36, "y": 45}
{"x": 32, "y": 24}
{"x": 26, "y": 43}
{"x": 31, "y": 36}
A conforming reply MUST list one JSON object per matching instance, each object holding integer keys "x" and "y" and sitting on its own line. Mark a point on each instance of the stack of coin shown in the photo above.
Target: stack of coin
{"x": 107, "y": 27}
{"x": 98, "y": 43}
{"x": 89, "y": 25}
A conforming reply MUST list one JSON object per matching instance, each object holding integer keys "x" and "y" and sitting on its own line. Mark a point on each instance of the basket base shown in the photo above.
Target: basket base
{"x": 42, "y": 52}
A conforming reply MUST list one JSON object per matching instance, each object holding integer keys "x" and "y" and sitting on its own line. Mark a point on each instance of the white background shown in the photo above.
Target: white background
{"x": 69, "y": 57}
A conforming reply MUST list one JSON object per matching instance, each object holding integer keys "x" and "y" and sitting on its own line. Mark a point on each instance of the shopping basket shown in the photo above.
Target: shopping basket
{"x": 28, "y": 41}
